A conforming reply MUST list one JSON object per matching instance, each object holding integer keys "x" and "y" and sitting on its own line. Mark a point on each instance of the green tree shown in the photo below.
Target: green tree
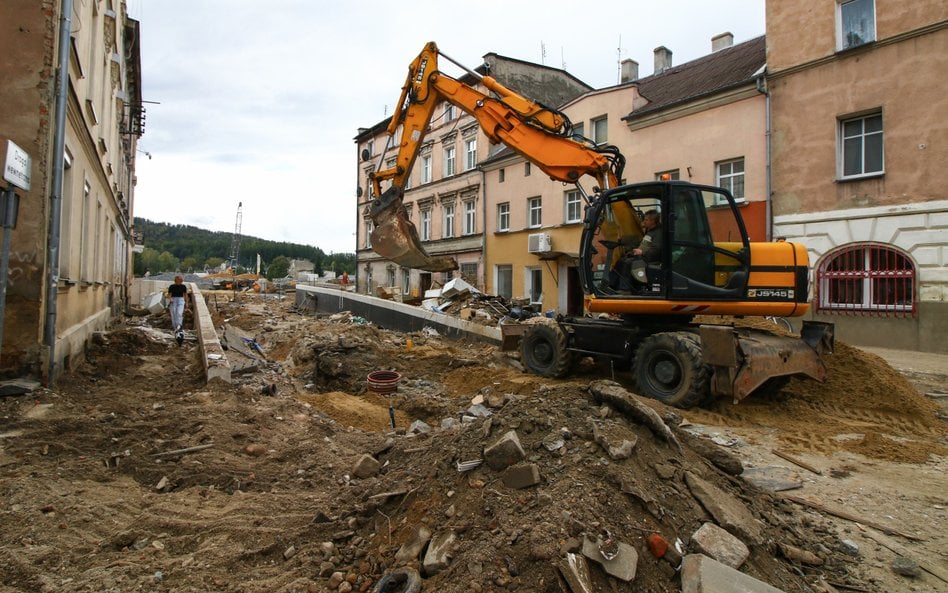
{"x": 167, "y": 262}
{"x": 146, "y": 261}
{"x": 213, "y": 262}
{"x": 278, "y": 268}
{"x": 188, "y": 264}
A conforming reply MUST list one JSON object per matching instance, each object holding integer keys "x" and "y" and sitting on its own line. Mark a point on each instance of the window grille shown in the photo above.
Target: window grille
{"x": 867, "y": 279}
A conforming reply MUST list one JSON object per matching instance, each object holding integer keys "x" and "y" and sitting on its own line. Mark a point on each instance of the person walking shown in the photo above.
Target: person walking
{"x": 178, "y": 293}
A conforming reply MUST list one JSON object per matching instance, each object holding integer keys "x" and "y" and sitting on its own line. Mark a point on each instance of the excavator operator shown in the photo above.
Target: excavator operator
{"x": 641, "y": 260}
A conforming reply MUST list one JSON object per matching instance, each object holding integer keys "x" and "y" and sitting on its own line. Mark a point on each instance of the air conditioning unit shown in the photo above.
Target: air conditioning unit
{"x": 539, "y": 243}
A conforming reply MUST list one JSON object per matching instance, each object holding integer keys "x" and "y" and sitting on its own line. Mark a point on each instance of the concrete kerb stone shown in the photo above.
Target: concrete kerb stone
{"x": 216, "y": 365}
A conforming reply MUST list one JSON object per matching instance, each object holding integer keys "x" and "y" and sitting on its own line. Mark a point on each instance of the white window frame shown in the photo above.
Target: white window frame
{"x": 531, "y": 277}
{"x": 503, "y": 217}
{"x": 600, "y": 129}
{"x": 842, "y": 43}
{"x": 506, "y": 270}
{"x": 425, "y": 223}
{"x": 426, "y": 169}
{"x": 469, "y": 226}
{"x": 368, "y": 234}
{"x": 862, "y": 136}
{"x": 572, "y": 206}
{"x": 469, "y": 271}
{"x": 727, "y": 177}
{"x": 450, "y": 154}
{"x": 448, "y": 230}
{"x": 534, "y": 213}
{"x": 449, "y": 112}
{"x": 470, "y": 154}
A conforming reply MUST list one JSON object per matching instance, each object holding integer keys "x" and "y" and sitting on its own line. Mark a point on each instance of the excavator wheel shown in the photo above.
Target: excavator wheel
{"x": 543, "y": 350}
{"x": 668, "y": 367}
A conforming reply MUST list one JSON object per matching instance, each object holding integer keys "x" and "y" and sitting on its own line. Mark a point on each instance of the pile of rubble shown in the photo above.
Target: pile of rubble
{"x": 576, "y": 488}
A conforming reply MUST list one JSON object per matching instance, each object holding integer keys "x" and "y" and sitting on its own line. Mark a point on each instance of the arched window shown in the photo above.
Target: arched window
{"x": 867, "y": 278}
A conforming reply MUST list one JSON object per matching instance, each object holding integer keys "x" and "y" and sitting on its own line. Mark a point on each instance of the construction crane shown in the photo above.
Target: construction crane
{"x": 235, "y": 243}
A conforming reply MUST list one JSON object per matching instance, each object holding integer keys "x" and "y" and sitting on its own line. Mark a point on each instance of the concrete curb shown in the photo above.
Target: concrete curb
{"x": 391, "y": 314}
{"x": 216, "y": 365}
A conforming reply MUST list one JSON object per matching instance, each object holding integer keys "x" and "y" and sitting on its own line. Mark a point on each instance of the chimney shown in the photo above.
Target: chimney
{"x": 663, "y": 59}
{"x": 630, "y": 70}
{"x": 722, "y": 41}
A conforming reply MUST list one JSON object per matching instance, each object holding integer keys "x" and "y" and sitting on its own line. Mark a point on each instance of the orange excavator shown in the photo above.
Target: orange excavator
{"x": 652, "y": 256}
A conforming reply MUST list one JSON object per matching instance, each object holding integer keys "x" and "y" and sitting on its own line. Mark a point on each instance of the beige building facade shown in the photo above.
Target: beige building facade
{"x": 445, "y": 194}
{"x": 66, "y": 284}
{"x": 859, "y": 146}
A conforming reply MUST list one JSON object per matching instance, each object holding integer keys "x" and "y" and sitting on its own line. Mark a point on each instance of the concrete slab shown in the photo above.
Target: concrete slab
{"x": 700, "y": 574}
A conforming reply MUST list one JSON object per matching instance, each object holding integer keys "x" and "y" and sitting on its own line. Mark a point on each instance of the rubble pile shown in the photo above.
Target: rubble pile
{"x": 578, "y": 486}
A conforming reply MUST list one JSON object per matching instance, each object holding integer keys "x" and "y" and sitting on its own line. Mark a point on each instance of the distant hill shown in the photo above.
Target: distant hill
{"x": 170, "y": 247}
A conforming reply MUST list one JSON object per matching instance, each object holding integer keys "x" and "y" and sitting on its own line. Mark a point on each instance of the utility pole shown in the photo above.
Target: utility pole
{"x": 235, "y": 244}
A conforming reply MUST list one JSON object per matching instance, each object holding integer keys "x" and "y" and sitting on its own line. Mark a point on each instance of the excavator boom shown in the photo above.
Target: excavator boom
{"x": 538, "y": 133}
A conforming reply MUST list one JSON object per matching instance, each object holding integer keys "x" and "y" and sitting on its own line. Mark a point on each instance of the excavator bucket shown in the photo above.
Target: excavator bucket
{"x": 744, "y": 359}
{"x": 395, "y": 238}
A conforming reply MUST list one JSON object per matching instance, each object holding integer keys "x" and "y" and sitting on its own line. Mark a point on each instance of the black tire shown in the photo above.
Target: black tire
{"x": 668, "y": 367}
{"x": 543, "y": 351}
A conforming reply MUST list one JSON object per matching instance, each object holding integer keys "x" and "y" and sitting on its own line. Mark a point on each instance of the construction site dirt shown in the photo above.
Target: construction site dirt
{"x": 132, "y": 473}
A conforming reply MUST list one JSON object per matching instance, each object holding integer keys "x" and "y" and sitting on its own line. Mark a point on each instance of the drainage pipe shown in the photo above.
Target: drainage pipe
{"x": 56, "y": 189}
{"x": 768, "y": 203}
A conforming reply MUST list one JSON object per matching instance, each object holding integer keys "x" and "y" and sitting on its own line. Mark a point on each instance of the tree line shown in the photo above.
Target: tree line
{"x": 189, "y": 249}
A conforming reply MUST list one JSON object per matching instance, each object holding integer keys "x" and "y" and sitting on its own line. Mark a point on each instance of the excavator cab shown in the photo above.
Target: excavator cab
{"x": 703, "y": 247}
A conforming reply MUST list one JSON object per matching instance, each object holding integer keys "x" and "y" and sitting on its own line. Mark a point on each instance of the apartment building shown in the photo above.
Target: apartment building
{"x": 859, "y": 146}
{"x": 703, "y": 121}
{"x": 445, "y": 193}
{"x": 70, "y": 279}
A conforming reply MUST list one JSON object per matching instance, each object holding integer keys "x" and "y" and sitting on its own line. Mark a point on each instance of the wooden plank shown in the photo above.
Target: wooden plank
{"x": 850, "y": 517}
{"x": 796, "y": 461}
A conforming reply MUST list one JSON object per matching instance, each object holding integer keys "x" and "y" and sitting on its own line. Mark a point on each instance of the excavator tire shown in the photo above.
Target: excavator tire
{"x": 668, "y": 367}
{"x": 543, "y": 350}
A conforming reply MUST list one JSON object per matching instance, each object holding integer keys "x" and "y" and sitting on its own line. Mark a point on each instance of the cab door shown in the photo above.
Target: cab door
{"x": 709, "y": 251}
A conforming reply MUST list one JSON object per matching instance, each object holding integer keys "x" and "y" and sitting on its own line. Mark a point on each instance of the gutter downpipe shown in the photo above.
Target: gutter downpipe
{"x": 55, "y": 198}
{"x": 484, "y": 228}
{"x": 768, "y": 206}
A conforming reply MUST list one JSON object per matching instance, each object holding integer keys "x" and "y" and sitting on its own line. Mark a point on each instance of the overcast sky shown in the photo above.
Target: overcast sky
{"x": 259, "y": 101}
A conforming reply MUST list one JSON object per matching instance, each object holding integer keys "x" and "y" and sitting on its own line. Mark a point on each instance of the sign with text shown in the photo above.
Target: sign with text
{"x": 17, "y": 168}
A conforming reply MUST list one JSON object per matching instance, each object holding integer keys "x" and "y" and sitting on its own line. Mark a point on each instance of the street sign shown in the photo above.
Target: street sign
{"x": 17, "y": 168}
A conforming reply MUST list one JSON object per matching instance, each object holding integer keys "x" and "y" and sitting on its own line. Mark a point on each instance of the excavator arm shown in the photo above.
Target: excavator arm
{"x": 539, "y": 134}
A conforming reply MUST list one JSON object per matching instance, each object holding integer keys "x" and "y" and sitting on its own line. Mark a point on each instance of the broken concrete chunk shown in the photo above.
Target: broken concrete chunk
{"x": 505, "y": 452}
{"x": 522, "y": 476}
{"x": 716, "y": 543}
{"x": 419, "y": 427}
{"x": 775, "y": 478}
{"x": 700, "y": 574}
{"x": 616, "y": 451}
{"x": 575, "y": 571}
{"x": 438, "y": 556}
{"x": 622, "y": 566}
{"x": 906, "y": 567}
{"x": 478, "y": 411}
{"x": 366, "y": 466}
{"x": 728, "y": 512}
{"x": 415, "y": 544}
